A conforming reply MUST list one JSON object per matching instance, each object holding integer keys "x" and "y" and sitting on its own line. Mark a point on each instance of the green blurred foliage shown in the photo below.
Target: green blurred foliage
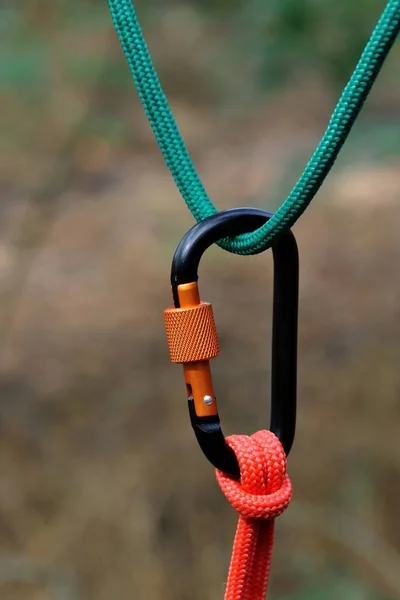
{"x": 280, "y": 38}
{"x": 225, "y": 56}
{"x": 285, "y": 36}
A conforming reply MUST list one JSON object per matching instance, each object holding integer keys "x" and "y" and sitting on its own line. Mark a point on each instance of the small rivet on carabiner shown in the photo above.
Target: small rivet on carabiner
{"x": 208, "y": 400}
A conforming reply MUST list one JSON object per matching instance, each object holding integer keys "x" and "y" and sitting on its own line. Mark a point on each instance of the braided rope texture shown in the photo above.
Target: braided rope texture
{"x": 176, "y": 154}
{"x": 262, "y": 494}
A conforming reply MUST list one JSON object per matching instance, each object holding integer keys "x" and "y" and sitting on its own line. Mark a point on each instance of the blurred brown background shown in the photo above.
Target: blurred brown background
{"x": 104, "y": 493}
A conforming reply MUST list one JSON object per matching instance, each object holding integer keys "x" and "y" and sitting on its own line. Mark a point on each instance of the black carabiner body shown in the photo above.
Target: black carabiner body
{"x": 184, "y": 270}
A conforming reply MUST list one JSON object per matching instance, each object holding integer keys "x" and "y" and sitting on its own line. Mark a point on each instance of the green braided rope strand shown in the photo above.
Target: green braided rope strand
{"x": 177, "y": 156}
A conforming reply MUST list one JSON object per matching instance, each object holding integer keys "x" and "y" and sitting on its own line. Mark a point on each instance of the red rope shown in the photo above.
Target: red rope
{"x": 262, "y": 494}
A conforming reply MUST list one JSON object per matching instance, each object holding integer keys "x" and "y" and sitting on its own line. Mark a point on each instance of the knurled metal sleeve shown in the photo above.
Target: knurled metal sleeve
{"x": 191, "y": 333}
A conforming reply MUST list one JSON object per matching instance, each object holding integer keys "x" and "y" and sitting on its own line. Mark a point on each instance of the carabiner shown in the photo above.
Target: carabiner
{"x": 193, "y": 341}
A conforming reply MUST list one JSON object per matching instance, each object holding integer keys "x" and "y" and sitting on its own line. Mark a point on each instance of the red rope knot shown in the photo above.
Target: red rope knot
{"x": 264, "y": 490}
{"x": 261, "y": 495}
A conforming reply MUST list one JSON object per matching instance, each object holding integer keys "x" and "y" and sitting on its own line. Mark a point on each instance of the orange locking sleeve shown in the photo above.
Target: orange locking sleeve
{"x": 191, "y": 333}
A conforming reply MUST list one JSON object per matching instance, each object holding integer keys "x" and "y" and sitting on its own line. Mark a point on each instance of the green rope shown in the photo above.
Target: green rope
{"x": 177, "y": 156}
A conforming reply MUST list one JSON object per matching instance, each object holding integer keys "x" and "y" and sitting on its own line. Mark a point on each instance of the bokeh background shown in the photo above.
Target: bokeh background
{"x": 104, "y": 493}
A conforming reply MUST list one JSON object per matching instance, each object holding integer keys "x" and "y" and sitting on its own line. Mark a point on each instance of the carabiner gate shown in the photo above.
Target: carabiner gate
{"x": 193, "y": 341}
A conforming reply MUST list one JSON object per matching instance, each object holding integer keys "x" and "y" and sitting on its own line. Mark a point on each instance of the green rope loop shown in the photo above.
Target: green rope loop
{"x": 177, "y": 156}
